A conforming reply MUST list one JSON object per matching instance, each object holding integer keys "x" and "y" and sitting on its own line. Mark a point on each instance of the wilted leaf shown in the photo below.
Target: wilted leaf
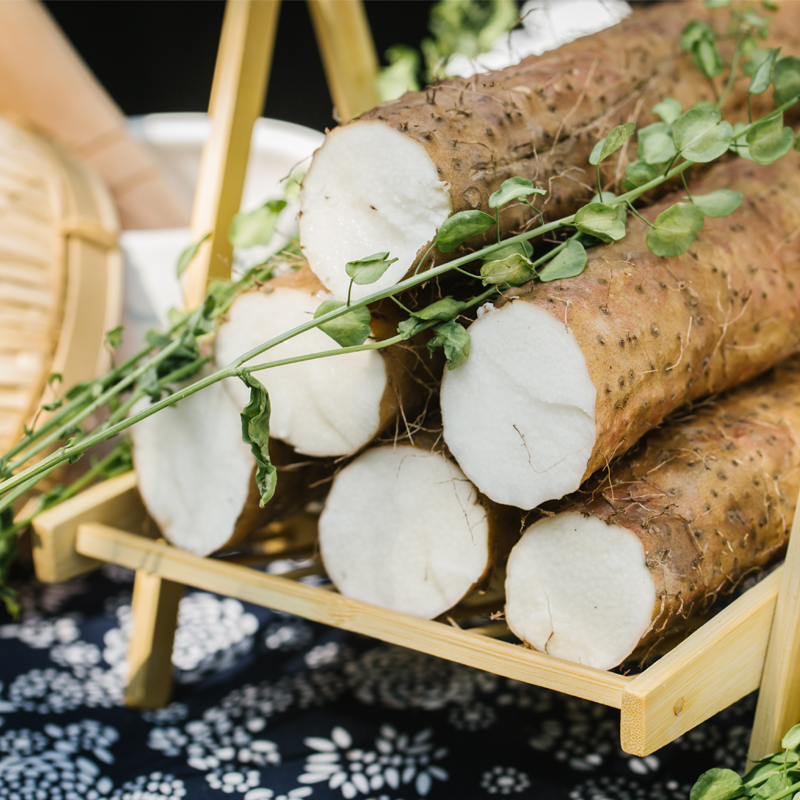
{"x": 700, "y": 136}
{"x": 442, "y": 310}
{"x": 669, "y": 109}
{"x": 350, "y": 329}
{"x": 716, "y": 784}
{"x": 462, "y": 226}
{"x": 571, "y": 261}
{"x": 655, "y": 144}
{"x": 763, "y": 74}
{"x": 675, "y": 230}
{"x": 786, "y": 79}
{"x": 187, "y": 256}
{"x": 719, "y": 203}
{"x": 611, "y": 143}
{"x": 370, "y": 269}
{"x": 255, "y": 432}
{"x": 512, "y": 189}
{"x": 600, "y": 220}
{"x": 518, "y": 248}
{"x": 251, "y": 228}
{"x": 455, "y": 341}
{"x": 768, "y": 140}
{"x": 514, "y": 270}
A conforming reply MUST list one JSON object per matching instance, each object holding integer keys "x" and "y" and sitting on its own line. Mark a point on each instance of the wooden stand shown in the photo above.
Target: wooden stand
{"x": 717, "y": 665}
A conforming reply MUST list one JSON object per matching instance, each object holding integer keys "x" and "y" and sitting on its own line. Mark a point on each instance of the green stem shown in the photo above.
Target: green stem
{"x": 731, "y": 77}
{"x": 646, "y": 222}
{"x": 686, "y": 186}
{"x": 599, "y": 187}
{"x": 497, "y": 222}
{"x": 750, "y": 108}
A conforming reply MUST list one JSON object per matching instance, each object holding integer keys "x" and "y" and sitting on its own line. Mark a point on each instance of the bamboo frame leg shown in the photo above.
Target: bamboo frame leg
{"x": 155, "y": 619}
{"x": 237, "y": 97}
{"x": 778, "y": 706}
{"x": 348, "y": 54}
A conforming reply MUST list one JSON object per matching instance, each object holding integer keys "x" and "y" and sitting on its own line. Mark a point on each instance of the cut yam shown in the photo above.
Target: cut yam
{"x": 327, "y": 407}
{"x": 404, "y": 529}
{"x": 196, "y": 475}
{"x": 566, "y": 375}
{"x": 698, "y": 506}
{"x": 387, "y": 181}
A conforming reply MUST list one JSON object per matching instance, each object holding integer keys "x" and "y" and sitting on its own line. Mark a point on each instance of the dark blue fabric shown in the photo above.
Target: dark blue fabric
{"x": 272, "y": 707}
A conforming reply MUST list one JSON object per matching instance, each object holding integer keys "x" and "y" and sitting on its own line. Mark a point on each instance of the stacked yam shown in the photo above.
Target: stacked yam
{"x": 701, "y": 504}
{"x": 561, "y": 379}
{"x": 389, "y": 179}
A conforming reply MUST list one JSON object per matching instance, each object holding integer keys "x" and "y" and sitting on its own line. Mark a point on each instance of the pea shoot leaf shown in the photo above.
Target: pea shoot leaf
{"x": 696, "y": 31}
{"x": 370, "y": 269}
{"x": 763, "y": 74}
{"x": 512, "y": 189}
{"x": 611, "y": 143}
{"x": 768, "y": 139}
{"x": 255, "y": 432}
{"x": 669, "y": 109}
{"x": 675, "y": 230}
{"x": 252, "y": 228}
{"x": 655, "y": 144}
{"x": 441, "y": 311}
{"x": 786, "y": 79}
{"x": 187, "y": 256}
{"x": 348, "y": 330}
{"x": 114, "y": 337}
{"x": 462, "y": 226}
{"x": 600, "y": 220}
{"x": 638, "y": 173}
{"x": 719, "y": 203}
{"x": 513, "y": 270}
{"x": 707, "y": 59}
{"x": 792, "y": 738}
{"x": 607, "y": 197}
{"x": 716, "y": 784}
{"x": 455, "y": 341}
{"x": 519, "y": 248}
{"x": 699, "y": 135}
{"x": 571, "y": 261}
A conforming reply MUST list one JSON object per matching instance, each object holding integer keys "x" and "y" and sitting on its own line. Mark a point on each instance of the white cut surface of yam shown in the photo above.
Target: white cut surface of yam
{"x": 387, "y": 188}
{"x": 324, "y": 407}
{"x": 404, "y": 529}
{"x": 579, "y": 589}
{"x": 522, "y": 440}
{"x": 193, "y": 470}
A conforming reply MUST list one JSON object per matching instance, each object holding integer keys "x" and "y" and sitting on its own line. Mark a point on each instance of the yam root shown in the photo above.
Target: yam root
{"x": 698, "y": 506}
{"x": 404, "y": 529}
{"x": 328, "y": 407}
{"x": 564, "y": 376}
{"x": 197, "y": 477}
{"x": 387, "y": 181}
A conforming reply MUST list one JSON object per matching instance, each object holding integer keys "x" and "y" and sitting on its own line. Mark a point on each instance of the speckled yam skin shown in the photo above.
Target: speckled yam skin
{"x": 541, "y": 118}
{"x": 660, "y": 332}
{"x": 711, "y": 497}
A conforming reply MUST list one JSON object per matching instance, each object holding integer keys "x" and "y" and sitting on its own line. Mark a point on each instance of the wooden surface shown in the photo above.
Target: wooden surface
{"x": 348, "y": 55}
{"x": 113, "y": 501}
{"x": 714, "y": 667}
{"x": 237, "y": 97}
{"x": 102, "y": 542}
{"x": 45, "y": 82}
{"x": 778, "y": 706}
{"x": 154, "y": 610}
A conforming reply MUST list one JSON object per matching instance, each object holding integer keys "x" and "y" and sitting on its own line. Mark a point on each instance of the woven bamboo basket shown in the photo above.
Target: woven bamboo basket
{"x": 60, "y": 273}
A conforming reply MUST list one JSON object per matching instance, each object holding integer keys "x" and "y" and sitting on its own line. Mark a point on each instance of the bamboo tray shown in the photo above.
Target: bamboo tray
{"x": 691, "y": 683}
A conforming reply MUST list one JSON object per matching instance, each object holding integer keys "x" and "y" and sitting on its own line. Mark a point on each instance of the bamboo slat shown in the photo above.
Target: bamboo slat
{"x": 104, "y": 543}
{"x": 60, "y": 273}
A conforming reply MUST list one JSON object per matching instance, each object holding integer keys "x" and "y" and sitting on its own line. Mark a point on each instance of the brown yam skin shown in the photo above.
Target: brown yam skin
{"x": 541, "y": 118}
{"x": 410, "y": 373}
{"x": 661, "y": 332}
{"x": 711, "y": 497}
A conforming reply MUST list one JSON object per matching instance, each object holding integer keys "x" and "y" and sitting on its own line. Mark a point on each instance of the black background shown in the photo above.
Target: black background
{"x": 158, "y": 55}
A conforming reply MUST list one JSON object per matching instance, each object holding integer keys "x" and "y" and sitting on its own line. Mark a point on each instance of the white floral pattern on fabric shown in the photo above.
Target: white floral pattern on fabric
{"x": 505, "y": 780}
{"x": 229, "y": 780}
{"x": 619, "y": 788}
{"x": 155, "y": 786}
{"x": 285, "y": 635}
{"x": 396, "y": 760}
{"x": 402, "y": 679}
{"x": 267, "y": 794}
{"x": 472, "y": 717}
{"x": 213, "y": 634}
{"x": 41, "y": 634}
